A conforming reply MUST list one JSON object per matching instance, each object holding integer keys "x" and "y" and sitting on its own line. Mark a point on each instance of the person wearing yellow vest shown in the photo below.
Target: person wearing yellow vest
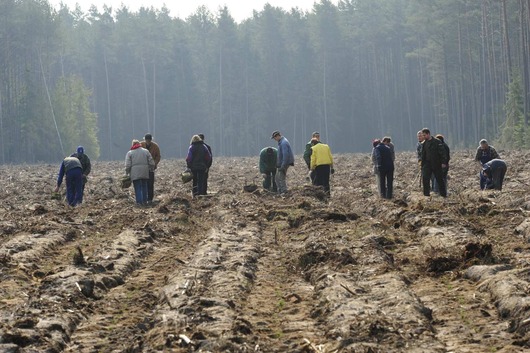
{"x": 321, "y": 164}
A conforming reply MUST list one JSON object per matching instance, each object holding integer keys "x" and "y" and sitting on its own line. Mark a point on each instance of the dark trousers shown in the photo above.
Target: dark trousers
{"x": 198, "y": 182}
{"x": 386, "y": 183}
{"x": 269, "y": 183}
{"x": 483, "y": 181}
{"x": 151, "y": 186}
{"x": 435, "y": 187}
{"x": 428, "y": 170}
{"x": 321, "y": 177}
{"x": 74, "y": 186}
{"x": 205, "y": 187}
{"x": 496, "y": 180}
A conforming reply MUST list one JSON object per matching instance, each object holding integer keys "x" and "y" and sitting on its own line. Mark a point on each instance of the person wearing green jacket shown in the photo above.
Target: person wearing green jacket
{"x": 267, "y": 167}
{"x": 307, "y": 153}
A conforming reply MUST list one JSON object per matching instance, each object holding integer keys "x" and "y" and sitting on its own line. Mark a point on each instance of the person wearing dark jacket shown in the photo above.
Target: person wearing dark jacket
{"x": 485, "y": 153}
{"x": 207, "y": 173}
{"x": 445, "y": 171}
{"x": 85, "y": 165}
{"x": 494, "y": 172}
{"x": 197, "y": 161}
{"x": 72, "y": 168}
{"x": 154, "y": 149}
{"x": 308, "y": 151}
{"x": 385, "y": 168}
{"x": 433, "y": 160}
{"x": 267, "y": 167}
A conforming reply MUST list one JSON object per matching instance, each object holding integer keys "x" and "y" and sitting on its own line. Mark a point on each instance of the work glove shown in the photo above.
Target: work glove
{"x": 264, "y": 176}
{"x": 332, "y": 171}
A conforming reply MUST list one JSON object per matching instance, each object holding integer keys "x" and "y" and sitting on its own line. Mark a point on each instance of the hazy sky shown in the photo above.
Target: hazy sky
{"x": 240, "y": 9}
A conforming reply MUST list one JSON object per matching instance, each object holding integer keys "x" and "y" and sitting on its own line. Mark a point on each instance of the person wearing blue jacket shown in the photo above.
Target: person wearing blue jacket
{"x": 494, "y": 172}
{"x": 284, "y": 161}
{"x": 385, "y": 169}
{"x": 72, "y": 168}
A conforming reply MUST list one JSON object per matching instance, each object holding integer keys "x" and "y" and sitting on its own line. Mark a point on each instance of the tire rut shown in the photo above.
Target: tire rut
{"x": 280, "y": 304}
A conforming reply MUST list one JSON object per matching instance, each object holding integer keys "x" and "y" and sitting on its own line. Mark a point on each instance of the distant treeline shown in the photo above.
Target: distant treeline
{"x": 354, "y": 71}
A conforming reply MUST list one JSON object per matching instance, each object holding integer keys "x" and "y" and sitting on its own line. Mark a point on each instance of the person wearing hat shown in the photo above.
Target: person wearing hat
{"x": 138, "y": 164}
{"x": 197, "y": 160}
{"x": 85, "y": 165}
{"x": 267, "y": 167}
{"x": 284, "y": 161}
{"x": 308, "y": 150}
{"x": 207, "y": 173}
{"x": 494, "y": 172}
{"x": 384, "y": 165}
{"x": 154, "y": 149}
{"x": 72, "y": 169}
{"x": 485, "y": 153}
{"x": 321, "y": 164}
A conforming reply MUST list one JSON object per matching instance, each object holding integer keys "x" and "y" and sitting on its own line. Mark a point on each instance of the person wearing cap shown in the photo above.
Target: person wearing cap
{"x": 485, "y": 153}
{"x": 384, "y": 164}
{"x": 72, "y": 169}
{"x": 433, "y": 160}
{"x": 267, "y": 167}
{"x": 321, "y": 164}
{"x": 494, "y": 172}
{"x": 207, "y": 173}
{"x": 154, "y": 149}
{"x": 307, "y": 152}
{"x": 85, "y": 165}
{"x": 284, "y": 161}
{"x": 138, "y": 165}
{"x": 197, "y": 161}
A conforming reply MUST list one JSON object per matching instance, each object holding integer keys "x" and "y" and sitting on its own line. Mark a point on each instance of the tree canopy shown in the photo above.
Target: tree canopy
{"x": 354, "y": 70}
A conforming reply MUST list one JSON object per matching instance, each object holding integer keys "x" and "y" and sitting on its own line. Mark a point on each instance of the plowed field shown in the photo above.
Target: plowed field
{"x": 240, "y": 271}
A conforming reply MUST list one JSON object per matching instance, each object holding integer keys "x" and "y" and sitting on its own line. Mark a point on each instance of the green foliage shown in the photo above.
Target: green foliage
{"x": 354, "y": 70}
{"x": 77, "y": 124}
{"x": 515, "y": 131}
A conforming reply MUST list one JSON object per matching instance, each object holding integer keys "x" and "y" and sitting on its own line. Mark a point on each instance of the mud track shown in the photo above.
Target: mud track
{"x": 240, "y": 271}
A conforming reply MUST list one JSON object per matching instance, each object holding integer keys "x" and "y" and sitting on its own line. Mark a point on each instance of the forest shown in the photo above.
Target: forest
{"x": 353, "y": 69}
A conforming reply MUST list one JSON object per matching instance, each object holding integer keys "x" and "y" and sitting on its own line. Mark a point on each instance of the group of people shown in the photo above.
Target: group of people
{"x": 433, "y": 156}
{"x": 75, "y": 168}
{"x": 274, "y": 163}
{"x": 142, "y": 160}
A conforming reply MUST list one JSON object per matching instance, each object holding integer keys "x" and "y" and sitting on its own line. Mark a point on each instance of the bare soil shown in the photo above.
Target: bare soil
{"x": 240, "y": 271}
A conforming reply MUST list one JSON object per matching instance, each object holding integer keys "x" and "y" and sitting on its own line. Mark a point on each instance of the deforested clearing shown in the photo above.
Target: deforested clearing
{"x": 244, "y": 270}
